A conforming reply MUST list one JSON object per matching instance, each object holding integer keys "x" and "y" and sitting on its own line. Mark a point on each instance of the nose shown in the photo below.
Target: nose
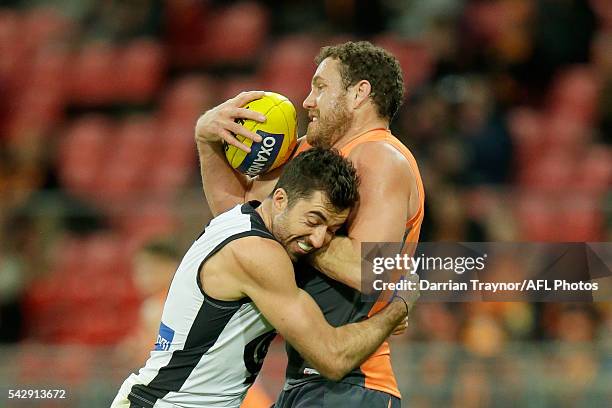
{"x": 309, "y": 102}
{"x": 320, "y": 237}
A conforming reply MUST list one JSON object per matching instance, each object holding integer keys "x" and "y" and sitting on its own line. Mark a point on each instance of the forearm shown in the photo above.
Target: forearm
{"x": 223, "y": 187}
{"x": 358, "y": 341}
{"x": 341, "y": 261}
{"x": 348, "y": 346}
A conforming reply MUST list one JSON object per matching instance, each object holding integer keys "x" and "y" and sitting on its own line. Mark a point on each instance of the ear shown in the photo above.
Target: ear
{"x": 362, "y": 91}
{"x": 280, "y": 200}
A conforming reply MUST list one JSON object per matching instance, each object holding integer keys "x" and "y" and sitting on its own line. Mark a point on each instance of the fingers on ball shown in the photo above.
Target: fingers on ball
{"x": 247, "y": 96}
{"x": 231, "y": 139}
{"x": 244, "y": 113}
{"x": 237, "y": 129}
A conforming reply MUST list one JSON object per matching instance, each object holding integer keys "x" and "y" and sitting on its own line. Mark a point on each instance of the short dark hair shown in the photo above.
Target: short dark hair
{"x": 364, "y": 61}
{"x": 320, "y": 169}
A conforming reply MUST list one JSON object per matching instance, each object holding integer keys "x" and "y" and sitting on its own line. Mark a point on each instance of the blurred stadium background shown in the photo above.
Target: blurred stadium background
{"x": 508, "y": 111}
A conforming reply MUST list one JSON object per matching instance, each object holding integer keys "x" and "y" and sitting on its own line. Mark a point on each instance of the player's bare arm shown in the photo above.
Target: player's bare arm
{"x": 387, "y": 186}
{"x": 224, "y": 187}
{"x": 268, "y": 279}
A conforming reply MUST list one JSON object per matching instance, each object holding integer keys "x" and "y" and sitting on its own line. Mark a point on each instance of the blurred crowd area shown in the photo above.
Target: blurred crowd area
{"x": 508, "y": 111}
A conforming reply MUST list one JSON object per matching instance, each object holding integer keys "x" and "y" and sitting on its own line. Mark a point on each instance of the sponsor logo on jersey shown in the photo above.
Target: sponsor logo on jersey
{"x": 164, "y": 338}
{"x": 310, "y": 371}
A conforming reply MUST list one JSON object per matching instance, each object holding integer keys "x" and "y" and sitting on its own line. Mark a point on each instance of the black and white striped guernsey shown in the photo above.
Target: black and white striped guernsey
{"x": 208, "y": 352}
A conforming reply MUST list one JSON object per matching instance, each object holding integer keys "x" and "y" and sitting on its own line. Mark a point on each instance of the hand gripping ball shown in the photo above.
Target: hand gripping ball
{"x": 278, "y": 134}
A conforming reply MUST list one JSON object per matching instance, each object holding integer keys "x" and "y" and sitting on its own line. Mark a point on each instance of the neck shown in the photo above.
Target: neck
{"x": 265, "y": 211}
{"x": 359, "y": 126}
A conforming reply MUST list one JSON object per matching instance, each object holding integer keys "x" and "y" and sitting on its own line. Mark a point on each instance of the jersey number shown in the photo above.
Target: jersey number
{"x": 254, "y": 353}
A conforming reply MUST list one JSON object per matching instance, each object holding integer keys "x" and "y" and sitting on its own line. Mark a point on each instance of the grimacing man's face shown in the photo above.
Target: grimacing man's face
{"x": 309, "y": 224}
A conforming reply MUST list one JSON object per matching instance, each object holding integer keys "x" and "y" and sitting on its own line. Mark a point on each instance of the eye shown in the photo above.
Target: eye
{"x": 311, "y": 223}
{"x": 318, "y": 86}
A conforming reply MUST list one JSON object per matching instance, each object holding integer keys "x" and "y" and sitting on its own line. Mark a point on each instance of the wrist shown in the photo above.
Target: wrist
{"x": 209, "y": 147}
{"x": 401, "y": 299}
{"x": 207, "y": 141}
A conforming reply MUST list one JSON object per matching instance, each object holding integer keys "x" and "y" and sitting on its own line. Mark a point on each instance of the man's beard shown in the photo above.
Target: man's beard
{"x": 329, "y": 129}
{"x": 282, "y": 234}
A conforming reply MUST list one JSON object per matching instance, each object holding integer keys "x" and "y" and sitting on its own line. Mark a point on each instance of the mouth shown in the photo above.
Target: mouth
{"x": 312, "y": 118}
{"x": 304, "y": 247}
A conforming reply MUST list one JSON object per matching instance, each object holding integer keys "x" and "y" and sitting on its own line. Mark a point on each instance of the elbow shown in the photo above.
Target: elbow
{"x": 336, "y": 376}
{"x": 355, "y": 283}
{"x": 336, "y": 366}
{"x": 353, "y": 276}
{"x": 333, "y": 372}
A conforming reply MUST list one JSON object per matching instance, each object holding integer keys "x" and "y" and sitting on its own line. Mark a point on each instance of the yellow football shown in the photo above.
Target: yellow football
{"x": 278, "y": 132}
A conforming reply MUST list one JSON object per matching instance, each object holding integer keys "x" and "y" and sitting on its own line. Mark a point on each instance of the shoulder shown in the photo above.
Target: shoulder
{"x": 379, "y": 158}
{"x": 258, "y": 255}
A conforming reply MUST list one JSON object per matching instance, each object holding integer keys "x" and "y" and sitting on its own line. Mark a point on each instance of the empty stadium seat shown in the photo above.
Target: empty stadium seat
{"x": 142, "y": 67}
{"x": 581, "y": 217}
{"x": 149, "y": 218}
{"x": 48, "y": 69}
{"x": 235, "y": 34}
{"x": 187, "y": 98}
{"x": 574, "y": 94}
{"x": 89, "y": 297}
{"x": 94, "y": 75}
{"x": 132, "y": 154}
{"x": 46, "y": 26}
{"x": 288, "y": 66}
{"x": 176, "y": 161}
{"x": 414, "y": 57}
{"x": 236, "y": 84}
{"x": 185, "y": 33}
{"x": 553, "y": 172}
{"x": 595, "y": 170}
{"x": 565, "y": 133}
{"x": 528, "y": 135}
{"x": 83, "y": 153}
{"x": 535, "y": 213}
{"x": 34, "y": 113}
{"x": 12, "y": 45}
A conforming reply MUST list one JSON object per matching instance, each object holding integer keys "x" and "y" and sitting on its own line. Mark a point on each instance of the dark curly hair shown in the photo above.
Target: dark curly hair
{"x": 320, "y": 169}
{"x": 363, "y": 60}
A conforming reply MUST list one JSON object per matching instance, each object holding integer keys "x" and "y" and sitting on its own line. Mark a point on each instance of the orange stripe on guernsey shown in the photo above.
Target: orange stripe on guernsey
{"x": 377, "y": 368}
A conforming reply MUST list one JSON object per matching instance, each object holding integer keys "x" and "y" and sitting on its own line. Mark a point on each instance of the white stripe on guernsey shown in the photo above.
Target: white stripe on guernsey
{"x": 214, "y": 377}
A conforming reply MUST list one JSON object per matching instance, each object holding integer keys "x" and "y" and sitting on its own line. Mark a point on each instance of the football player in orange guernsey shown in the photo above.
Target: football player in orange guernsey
{"x": 356, "y": 91}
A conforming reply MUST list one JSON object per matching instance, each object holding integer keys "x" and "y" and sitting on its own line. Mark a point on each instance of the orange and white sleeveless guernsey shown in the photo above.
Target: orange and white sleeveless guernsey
{"x": 341, "y": 304}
